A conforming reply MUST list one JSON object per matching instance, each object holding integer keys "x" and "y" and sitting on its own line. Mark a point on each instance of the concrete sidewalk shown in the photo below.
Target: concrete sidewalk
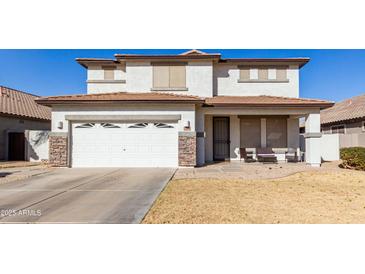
{"x": 12, "y": 174}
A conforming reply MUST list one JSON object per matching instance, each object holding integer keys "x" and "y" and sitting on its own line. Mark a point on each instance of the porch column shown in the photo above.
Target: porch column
{"x": 263, "y": 132}
{"x": 200, "y": 135}
{"x": 312, "y": 139}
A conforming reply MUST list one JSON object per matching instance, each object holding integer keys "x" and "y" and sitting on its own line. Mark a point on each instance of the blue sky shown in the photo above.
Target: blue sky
{"x": 331, "y": 74}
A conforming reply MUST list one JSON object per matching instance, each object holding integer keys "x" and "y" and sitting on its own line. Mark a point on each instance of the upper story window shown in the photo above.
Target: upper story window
{"x": 281, "y": 74}
{"x": 169, "y": 76}
{"x": 363, "y": 125}
{"x": 109, "y": 72}
{"x": 262, "y": 74}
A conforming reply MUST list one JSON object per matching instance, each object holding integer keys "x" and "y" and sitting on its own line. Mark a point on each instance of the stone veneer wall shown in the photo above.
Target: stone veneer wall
{"x": 187, "y": 149}
{"x": 58, "y": 149}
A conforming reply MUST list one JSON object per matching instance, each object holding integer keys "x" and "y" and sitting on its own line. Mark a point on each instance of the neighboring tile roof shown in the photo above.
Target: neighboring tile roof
{"x": 18, "y": 103}
{"x": 272, "y": 101}
{"x": 353, "y": 108}
{"x": 121, "y": 97}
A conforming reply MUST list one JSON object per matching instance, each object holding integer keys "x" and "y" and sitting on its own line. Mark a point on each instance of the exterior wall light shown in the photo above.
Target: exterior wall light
{"x": 60, "y": 125}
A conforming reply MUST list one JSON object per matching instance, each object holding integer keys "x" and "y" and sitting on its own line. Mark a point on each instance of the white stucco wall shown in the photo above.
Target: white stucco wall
{"x": 330, "y": 147}
{"x": 187, "y": 113}
{"x": 37, "y": 145}
{"x": 96, "y": 73}
{"x": 202, "y": 79}
{"x": 312, "y": 139}
{"x": 93, "y": 88}
{"x": 138, "y": 77}
{"x": 199, "y": 79}
{"x": 226, "y": 83}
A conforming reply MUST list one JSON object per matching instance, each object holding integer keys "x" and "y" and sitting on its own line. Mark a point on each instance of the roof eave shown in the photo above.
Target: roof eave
{"x": 299, "y": 61}
{"x": 85, "y": 62}
{"x": 78, "y": 102}
{"x": 25, "y": 117}
{"x": 125, "y": 57}
{"x": 321, "y": 106}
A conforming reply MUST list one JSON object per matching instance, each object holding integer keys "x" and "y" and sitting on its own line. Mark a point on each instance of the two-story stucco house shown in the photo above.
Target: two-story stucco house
{"x": 182, "y": 110}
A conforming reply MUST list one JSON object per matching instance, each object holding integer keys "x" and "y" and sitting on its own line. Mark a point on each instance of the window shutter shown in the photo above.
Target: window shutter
{"x": 245, "y": 74}
{"x": 281, "y": 74}
{"x": 108, "y": 73}
{"x": 177, "y": 77}
{"x": 263, "y": 74}
{"x": 276, "y": 132}
{"x": 250, "y": 132}
{"x": 160, "y": 76}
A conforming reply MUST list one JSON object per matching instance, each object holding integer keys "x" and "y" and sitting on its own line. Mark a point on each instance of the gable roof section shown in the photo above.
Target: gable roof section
{"x": 17, "y": 103}
{"x": 121, "y": 97}
{"x": 193, "y": 52}
{"x": 266, "y": 101}
{"x": 350, "y": 109}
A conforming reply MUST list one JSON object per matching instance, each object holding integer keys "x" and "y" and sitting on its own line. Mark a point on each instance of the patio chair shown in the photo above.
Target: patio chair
{"x": 266, "y": 155}
{"x": 247, "y": 156}
{"x": 291, "y": 155}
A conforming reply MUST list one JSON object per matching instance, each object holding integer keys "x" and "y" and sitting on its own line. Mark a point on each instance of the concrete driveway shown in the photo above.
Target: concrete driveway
{"x": 83, "y": 195}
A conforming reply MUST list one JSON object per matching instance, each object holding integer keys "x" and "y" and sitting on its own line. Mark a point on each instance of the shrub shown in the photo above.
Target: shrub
{"x": 353, "y": 158}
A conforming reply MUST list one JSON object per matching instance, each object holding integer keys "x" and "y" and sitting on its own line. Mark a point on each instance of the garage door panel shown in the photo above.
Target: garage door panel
{"x": 146, "y": 146}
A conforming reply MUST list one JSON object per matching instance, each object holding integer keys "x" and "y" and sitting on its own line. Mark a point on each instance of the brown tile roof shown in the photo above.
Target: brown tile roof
{"x": 353, "y": 108}
{"x": 18, "y": 103}
{"x": 121, "y": 97}
{"x": 160, "y": 97}
{"x": 262, "y": 101}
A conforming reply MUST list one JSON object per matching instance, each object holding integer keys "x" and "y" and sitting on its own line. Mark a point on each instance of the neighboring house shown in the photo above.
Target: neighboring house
{"x": 18, "y": 113}
{"x": 182, "y": 110}
{"x": 346, "y": 118}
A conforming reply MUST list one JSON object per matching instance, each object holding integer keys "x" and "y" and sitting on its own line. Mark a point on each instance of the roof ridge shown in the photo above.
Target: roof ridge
{"x": 193, "y": 51}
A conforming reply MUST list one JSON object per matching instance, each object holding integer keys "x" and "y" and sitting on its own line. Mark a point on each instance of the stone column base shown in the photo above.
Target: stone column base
{"x": 187, "y": 148}
{"x": 58, "y": 149}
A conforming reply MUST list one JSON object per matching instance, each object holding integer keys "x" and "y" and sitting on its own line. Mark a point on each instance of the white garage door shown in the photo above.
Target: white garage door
{"x": 98, "y": 144}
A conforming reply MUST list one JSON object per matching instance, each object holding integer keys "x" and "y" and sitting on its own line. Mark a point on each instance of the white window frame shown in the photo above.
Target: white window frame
{"x": 344, "y": 128}
{"x": 363, "y": 125}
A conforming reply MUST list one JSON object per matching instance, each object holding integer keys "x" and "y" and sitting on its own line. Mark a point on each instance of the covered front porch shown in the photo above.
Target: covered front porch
{"x": 222, "y": 133}
{"x": 227, "y": 137}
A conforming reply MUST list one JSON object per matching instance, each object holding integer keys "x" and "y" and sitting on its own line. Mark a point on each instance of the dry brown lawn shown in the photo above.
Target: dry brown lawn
{"x": 306, "y": 197}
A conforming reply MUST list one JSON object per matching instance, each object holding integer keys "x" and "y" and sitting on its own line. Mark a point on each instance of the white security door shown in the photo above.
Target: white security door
{"x": 98, "y": 144}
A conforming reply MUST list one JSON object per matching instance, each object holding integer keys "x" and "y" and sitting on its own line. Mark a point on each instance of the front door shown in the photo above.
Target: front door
{"x": 221, "y": 140}
{"x": 16, "y": 146}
